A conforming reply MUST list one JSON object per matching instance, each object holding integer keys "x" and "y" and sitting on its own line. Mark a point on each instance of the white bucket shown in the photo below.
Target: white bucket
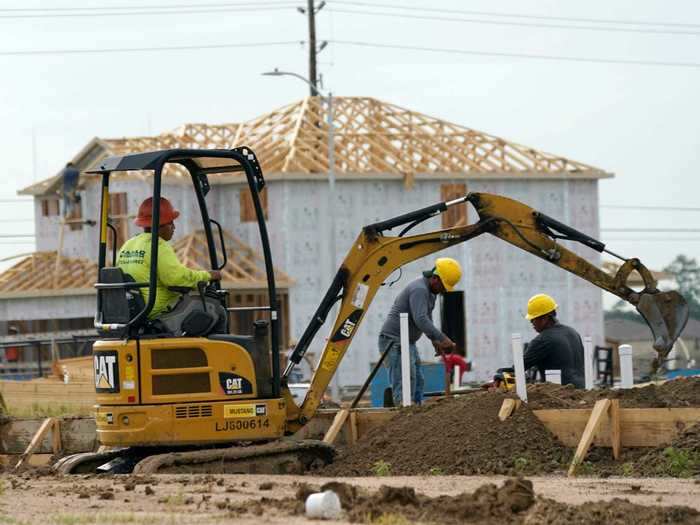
{"x": 323, "y": 505}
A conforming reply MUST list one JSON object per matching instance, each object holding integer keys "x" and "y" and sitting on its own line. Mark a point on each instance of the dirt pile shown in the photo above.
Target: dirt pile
{"x": 460, "y": 435}
{"x": 681, "y": 392}
{"x": 513, "y": 503}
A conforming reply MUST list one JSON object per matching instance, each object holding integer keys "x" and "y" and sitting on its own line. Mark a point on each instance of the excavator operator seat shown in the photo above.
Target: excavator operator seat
{"x": 118, "y": 305}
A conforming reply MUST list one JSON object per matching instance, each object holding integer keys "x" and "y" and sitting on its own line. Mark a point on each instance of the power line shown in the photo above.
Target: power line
{"x": 520, "y": 15}
{"x": 163, "y": 12}
{"x": 660, "y": 208}
{"x": 353, "y": 43}
{"x": 15, "y": 236}
{"x": 155, "y": 6}
{"x": 515, "y": 55}
{"x": 142, "y": 49}
{"x": 658, "y": 230}
{"x": 653, "y": 239}
{"x": 517, "y": 24}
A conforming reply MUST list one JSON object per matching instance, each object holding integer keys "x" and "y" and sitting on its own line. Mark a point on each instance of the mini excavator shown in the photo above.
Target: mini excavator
{"x": 219, "y": 403}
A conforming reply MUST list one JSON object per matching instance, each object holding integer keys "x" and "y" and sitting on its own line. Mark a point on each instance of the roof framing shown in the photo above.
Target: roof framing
{"x": 371, "y": 139}
{"x": 45, "y": 274}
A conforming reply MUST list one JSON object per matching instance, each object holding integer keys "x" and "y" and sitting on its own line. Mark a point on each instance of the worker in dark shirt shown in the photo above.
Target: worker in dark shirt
{"x": 418, "y": 300}
{"x": 557, "y": 347}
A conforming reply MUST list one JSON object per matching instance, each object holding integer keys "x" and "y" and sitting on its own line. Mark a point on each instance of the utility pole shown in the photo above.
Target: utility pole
{"x": 313, "y": 77}
{"x": 310, "y": 11}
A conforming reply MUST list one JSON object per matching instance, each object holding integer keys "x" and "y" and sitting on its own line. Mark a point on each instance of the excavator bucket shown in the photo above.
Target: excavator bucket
{"x": 666, "y": 313}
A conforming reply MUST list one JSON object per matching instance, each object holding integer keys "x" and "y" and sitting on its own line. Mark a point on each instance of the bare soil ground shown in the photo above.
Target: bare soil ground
{"x": 463, "y": 436}
{"x": 211, "y": 499}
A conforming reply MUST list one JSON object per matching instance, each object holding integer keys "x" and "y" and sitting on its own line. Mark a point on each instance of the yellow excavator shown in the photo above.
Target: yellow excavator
{"x": 168, "y": 403}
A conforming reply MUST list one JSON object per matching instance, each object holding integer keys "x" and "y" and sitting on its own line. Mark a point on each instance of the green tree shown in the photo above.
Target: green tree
{"x": 686, "y": 271}
{"x": 623, "y": 310}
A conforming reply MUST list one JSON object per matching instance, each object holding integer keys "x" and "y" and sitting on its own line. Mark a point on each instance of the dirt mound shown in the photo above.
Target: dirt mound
{"x": 514, "y": 503}
{"x": 454, "y": 436}
{"x": 681, "y": 392}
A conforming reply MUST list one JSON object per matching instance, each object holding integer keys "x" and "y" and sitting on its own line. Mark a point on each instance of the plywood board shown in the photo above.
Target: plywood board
{"x": 25, "y": 394}
{"x": 77, "y": 435}
{"x": 639, "y": 427}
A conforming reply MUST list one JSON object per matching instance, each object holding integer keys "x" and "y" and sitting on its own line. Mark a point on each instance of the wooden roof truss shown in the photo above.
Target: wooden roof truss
{"x": 44, "y": 272}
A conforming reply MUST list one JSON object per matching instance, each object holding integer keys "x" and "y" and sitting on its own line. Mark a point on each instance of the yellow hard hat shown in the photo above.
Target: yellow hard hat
{"x": 539, "y": 305}
{"x": 449, "y": 271}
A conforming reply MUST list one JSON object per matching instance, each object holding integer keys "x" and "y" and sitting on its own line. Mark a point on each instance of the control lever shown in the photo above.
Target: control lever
{"x": 201, "y": 289}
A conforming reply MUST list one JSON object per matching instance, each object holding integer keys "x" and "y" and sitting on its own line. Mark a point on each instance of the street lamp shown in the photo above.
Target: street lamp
{"x": 329, "y": 120}
{"x": 331, "y": 179}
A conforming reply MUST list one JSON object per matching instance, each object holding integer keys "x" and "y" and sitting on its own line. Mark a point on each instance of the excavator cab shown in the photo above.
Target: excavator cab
{"x": 165, "y": 389}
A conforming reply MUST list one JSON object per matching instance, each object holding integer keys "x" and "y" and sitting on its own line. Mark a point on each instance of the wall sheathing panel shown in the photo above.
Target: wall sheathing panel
{"x": 59, "y": 307}
{"x": 501, "y": 277}
{"x": 498, "y": 278}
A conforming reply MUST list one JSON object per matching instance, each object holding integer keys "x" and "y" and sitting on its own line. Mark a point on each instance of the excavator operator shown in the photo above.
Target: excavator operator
{"x": 418, "y": 300}
{"x": 557, "y": 346}
{"x": 171, "y": 306}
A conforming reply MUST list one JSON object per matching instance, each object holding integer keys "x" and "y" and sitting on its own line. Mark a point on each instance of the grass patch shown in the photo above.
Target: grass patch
{"x": 8, "y": 520}
{"x": 628, "y": 469}
{"x": 390, "y": 518}
{"x": 585, "y": 469}
{"x": 176, "y": 499}
{"x": 116, "y": 518}
{"x": 436, "y": 471}
{"x": 681, "y": 463}
{"x": 381, "y": 468}
{"x": 520, "y": 464}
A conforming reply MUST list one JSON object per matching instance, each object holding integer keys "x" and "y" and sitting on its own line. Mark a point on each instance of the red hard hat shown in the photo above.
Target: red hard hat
{"x": 167, "y": 213}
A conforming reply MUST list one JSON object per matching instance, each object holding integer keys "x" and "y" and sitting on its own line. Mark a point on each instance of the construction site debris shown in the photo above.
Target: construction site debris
{"x": 514, "y": 502}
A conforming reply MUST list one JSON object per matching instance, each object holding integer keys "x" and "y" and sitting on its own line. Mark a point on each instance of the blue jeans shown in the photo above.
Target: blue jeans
{"x": 393, "y": 362}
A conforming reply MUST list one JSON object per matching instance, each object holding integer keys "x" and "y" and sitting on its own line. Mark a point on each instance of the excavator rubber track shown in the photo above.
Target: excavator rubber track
{"x": 276, "y": 457}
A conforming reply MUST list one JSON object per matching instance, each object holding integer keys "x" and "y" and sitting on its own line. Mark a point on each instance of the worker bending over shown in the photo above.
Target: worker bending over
{"x": 418, "y": 300}
{"x": 557, "y": 346}
{"x": 171, "y": 307}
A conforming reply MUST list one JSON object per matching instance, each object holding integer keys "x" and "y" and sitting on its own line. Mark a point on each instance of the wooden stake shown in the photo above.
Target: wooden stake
{"x": 507, "y": 408}
{"x": 615, "y": 432}
{"x": 3, "y": 405}
{"x": 56, "y": 444}
{"x": 353, "y": 428}
{"x": 599, "y": 411}
{"x": 36, "y": 441}
{"x": 336, "y": 426}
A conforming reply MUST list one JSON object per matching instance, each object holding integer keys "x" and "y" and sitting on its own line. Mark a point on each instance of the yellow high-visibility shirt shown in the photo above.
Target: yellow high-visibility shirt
{"x": 135, "y": 259}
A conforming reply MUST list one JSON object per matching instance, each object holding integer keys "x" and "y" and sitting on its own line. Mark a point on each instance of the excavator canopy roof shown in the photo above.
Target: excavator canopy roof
{"x": 205, "y": 160}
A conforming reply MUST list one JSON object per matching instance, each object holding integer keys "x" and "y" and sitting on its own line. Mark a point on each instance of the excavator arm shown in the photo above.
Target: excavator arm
{"x": 374, "y": 256}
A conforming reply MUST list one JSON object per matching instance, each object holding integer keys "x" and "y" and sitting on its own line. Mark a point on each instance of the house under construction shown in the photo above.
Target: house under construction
{"x": 387, "y": 160}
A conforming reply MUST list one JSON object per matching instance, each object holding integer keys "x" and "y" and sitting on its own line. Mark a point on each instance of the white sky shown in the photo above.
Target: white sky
{"x": 639, "y": 121}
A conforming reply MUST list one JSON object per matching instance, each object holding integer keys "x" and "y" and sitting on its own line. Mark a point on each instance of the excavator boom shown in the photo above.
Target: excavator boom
{"x": 374, "y": 256}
